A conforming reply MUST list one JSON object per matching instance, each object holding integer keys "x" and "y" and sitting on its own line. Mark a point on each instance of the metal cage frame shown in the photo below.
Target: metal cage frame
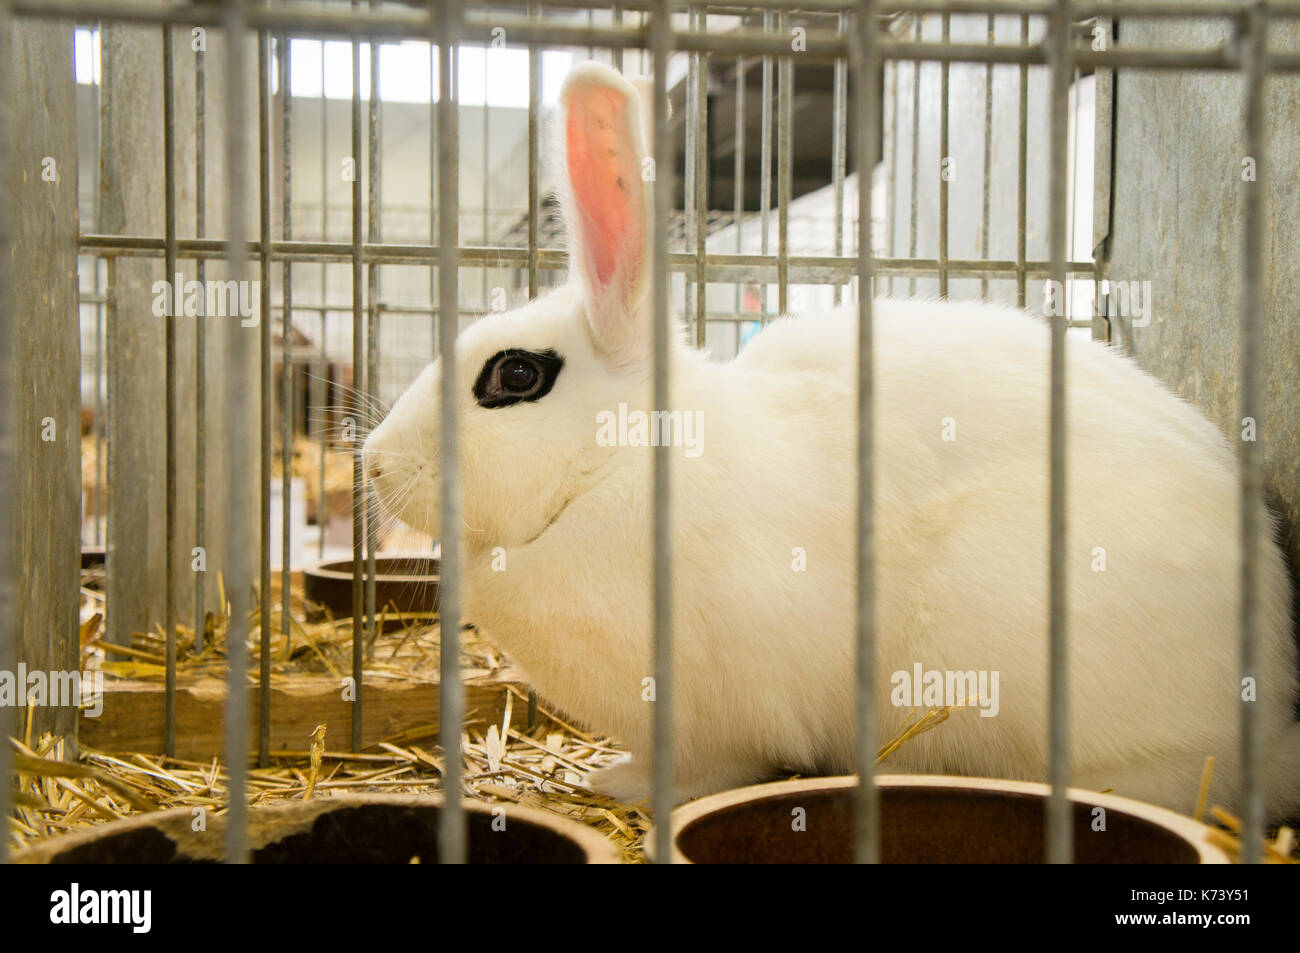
{"x": 857, "y": 48}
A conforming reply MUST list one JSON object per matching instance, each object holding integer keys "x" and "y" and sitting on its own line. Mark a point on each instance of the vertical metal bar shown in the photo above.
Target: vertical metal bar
{"x": 661, "y": 606}
{"x": 839, "y": 147}
{"x": 700, "y": 93}
{"x": 112, "y": 461}
{"x": 1253, "y": 237}
{"x": 534, "y": 210}
{"x": 988, "y": 161}
{"x": 765, "y": 162}
{"x": 200, "y": 346}
{"x": 486, "y": 173}
{"x": 1059, "y": 827}
{"x": 358, "y": 388}
{"x": 264, "y": 332}
{"x": 239, "y": 540}
{"x": 738, "y": 176}
{"x": 689, "y": 195}
{"x": 644, "y": 56}
{"x": 1072, "y": 187}
{"x": 452, "y": 828}
{"x": 891, "y": 242}
{"x": 434, "y": 210}
{"x": 101, "y": 292}
{"x": 866, "y": 806}
{"x": 433, "y": 190}
{"x": 322, "y": 366}
{"x": 8, "y": 433}
{"x": 1022, "y": 164}
{"x": 169, "y": 385}
{"x": 320, "y": 388}
{"x": 286, "y": 333}
{"x": 616, "y": 20}
{"x": 1103, "y": 180}
{"x": 785, "y": 118}
{"x": 534, "y": 148}
{"x": 373, "y": 202}
{"x": 915, "y": 190}
{"x": 943, "y": 157}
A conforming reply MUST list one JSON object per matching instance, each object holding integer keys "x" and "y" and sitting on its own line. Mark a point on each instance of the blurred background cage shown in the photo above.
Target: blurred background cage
{"x": 1124, "y": 162}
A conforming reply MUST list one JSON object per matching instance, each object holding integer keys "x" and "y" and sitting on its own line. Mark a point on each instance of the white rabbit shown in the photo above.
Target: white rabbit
{"x": 764, "y": 646}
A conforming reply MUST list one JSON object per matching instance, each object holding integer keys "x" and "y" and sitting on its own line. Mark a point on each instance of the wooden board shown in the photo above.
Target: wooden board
{"x": 132, "y": 718}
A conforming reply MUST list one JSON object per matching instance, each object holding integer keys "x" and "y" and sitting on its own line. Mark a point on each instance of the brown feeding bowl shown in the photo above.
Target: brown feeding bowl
{"x": 408, "y": 582}
{"x": 351, "y": 829}
{"x": 927, "y": 819}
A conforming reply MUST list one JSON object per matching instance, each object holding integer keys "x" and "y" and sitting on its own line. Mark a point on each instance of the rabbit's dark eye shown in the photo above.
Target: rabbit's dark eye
{"x": 513, "y": 376}
{"x": 519, "y": 376}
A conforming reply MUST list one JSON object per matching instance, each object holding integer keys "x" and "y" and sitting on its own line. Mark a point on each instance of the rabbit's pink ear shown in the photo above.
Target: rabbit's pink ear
{"x": 607, "y": 208}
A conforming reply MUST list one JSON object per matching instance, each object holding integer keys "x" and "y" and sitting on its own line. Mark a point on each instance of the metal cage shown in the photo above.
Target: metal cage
{"x": 869, "y": 46}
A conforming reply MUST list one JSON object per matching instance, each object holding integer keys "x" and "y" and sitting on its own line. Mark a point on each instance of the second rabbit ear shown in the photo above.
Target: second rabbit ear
{"x": 608, "y": 208}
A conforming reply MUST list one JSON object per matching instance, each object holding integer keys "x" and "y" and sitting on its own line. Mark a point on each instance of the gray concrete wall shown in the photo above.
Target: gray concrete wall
{"x": 1176, "y": 222}
{"x": 46, "y": 353}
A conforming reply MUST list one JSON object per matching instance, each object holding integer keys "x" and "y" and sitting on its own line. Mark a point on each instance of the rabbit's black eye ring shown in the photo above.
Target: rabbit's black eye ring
{"x": 515, "y": 375}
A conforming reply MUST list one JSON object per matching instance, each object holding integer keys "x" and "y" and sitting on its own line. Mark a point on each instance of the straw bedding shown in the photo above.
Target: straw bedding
{"x": 541, "y": 767}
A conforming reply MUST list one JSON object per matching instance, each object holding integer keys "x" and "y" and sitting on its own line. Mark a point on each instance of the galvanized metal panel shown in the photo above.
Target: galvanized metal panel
{"x": 1177, "y": 223}
{"x": 1219, "y": 247}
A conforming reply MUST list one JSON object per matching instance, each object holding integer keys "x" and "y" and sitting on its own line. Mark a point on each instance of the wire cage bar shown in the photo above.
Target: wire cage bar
{"x": 1255, "y": 64}
{"x": 1059, "y": 821}
{"x": 452, "y": 840}
{"x": 237, "y": 706}
{"x": 866, "y": 807}
{"x": 200, "y": 346}
{"x": 857, "y": 49}
{"x": 358, "y": 390}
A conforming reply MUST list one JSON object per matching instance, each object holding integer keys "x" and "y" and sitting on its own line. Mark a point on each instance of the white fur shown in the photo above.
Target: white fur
{"x": 764, "y": 655}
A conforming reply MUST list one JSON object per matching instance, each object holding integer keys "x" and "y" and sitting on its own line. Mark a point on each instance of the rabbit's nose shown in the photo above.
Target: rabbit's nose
{"x": 373, "y": 471}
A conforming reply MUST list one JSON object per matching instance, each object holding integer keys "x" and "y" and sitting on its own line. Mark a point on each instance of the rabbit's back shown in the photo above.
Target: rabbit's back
{"x": 961, "y": 462}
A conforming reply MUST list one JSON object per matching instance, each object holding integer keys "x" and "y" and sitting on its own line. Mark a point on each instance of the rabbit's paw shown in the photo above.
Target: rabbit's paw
{"x": 626, "y": 782}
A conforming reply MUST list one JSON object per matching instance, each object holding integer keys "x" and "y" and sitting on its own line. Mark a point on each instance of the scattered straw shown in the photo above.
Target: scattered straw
{"x": 55, "y": 797}
{"x": 317, "y": 750}
{"x": 1206, "y": 774}
{"x": 542, "y": 767}
{"x": 933, "y": 718}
